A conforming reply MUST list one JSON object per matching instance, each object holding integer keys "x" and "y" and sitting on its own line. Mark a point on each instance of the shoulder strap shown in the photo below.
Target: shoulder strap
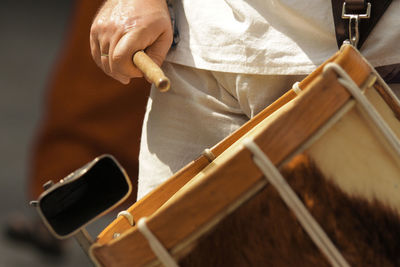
{"x": 356, "y": 7}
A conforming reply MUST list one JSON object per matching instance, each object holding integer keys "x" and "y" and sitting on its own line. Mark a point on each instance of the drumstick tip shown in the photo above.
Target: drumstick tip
{"x": 151, "y": 71}
{"x": 163, "y": 84}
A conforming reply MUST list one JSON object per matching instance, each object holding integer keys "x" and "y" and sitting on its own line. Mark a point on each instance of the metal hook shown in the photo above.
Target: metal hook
{"x": 354, "y": 28}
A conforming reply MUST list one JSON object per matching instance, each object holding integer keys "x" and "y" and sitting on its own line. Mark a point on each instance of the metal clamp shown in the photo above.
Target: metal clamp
{"x": 354, "y": 33}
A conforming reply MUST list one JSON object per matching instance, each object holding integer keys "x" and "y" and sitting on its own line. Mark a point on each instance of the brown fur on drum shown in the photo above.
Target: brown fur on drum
{"x": 263, "y": 232}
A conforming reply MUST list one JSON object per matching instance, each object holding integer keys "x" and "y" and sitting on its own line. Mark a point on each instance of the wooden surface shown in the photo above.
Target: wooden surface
{"x": 222, "y": 183}
{"x": 392, "y": 103}
{"x": 151, "y": 70}
{"x": 153, "y": 201}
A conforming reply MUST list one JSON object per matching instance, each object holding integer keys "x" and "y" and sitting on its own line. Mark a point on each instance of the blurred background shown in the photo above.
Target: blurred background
{"x": 57, "y": 112}
{"x": 31, "y": 36}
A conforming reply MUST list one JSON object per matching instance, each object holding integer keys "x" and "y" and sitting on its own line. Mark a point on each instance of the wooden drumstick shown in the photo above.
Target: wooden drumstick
{"x": 151, "y": 70}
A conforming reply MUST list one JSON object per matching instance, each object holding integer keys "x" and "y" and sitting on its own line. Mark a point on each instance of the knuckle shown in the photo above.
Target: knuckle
{"x": 95, "y": 28}
{"x": 102, "y": 28}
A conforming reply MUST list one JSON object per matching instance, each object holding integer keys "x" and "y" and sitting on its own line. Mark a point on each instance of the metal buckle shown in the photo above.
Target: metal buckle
{"x": 354, "y": 34}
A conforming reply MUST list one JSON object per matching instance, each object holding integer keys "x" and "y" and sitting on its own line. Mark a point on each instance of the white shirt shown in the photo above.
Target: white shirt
{"x": 271, "y": 36}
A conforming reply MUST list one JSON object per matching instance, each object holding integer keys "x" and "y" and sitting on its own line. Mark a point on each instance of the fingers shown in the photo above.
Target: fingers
{"x": 117, "y": 65}
{"x": 104, "y": 57}
{"x": 122, "y": 55}
{"x": 101, "y": 49}
{"x": 123, "y": 52}
{"x": 125, "y": 79}
{"x": 159, "y": 49}
{"x": 95, "y": 50}
{"x": 123, "y": 27}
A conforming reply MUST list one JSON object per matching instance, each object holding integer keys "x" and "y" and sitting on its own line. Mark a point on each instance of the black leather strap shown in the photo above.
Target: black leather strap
{"x": 390, "y": 73}
{"x": 378, "y": 7}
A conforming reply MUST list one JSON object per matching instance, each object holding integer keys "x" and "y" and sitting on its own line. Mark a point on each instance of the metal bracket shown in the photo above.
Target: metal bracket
{"x": 354, "y": 28}
{"x": 84, "y": 240}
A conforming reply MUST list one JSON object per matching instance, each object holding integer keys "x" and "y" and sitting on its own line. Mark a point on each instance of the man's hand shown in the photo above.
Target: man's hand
{"x": 123, "y": 27}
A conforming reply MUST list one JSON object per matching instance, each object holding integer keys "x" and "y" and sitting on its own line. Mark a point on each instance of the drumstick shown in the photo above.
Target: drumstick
{"x": 151, "y": 70}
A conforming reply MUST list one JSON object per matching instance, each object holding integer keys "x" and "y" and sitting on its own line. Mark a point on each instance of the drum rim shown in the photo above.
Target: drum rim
{"x": 345, "y": 58}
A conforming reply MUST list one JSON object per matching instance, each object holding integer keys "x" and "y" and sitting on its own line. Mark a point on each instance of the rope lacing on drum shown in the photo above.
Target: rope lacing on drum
{"x": 273, "y": 175}
{"x": 208, "y": 154}
{"x": 306, "y": 220}
{"x": 126, "y": 214}
{"x": 296, "y": 88}
{"x": 345, "y": 80}
{"x": 159, "y": 250}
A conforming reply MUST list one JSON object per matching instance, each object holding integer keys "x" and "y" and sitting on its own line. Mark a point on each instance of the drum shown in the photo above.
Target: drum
{"x": 313, "y": 180}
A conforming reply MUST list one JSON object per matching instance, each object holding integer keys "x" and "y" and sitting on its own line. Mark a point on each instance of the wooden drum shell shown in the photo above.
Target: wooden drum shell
{"x": 211, "y": 191}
